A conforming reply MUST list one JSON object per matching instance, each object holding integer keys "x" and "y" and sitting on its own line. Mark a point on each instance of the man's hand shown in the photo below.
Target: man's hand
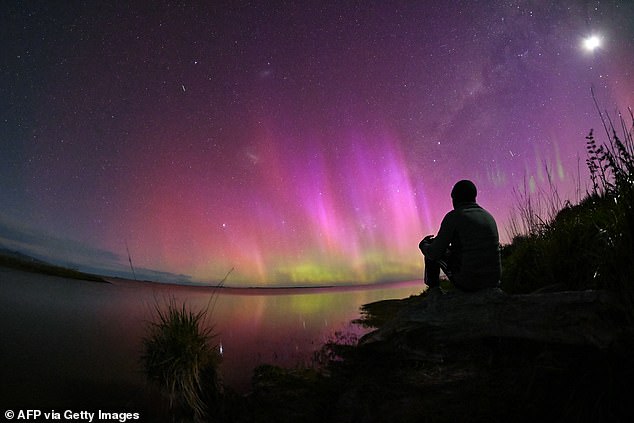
{"x": 426, "y": 241}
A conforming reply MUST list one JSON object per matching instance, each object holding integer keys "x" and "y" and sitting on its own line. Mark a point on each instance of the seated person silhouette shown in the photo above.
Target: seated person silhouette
{"x": 466, "y": 247}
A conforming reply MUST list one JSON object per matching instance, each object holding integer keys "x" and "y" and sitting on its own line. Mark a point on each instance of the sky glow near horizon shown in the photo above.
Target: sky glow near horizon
{"x": 298, "y": 143}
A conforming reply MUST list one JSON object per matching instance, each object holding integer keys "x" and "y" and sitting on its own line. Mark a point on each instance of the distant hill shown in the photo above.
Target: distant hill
{"x": 9, "y": 254}
{"x": 21, "y": 261}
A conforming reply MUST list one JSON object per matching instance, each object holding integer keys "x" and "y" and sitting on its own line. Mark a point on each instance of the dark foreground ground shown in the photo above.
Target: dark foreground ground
{"x": 488, "y": 380}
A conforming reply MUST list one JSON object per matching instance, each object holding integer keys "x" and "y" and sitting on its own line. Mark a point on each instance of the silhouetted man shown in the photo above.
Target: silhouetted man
{"x": 467, "y": 245}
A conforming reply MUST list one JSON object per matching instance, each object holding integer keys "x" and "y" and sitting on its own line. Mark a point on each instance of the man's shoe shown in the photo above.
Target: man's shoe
{"x": 433, "y": 293}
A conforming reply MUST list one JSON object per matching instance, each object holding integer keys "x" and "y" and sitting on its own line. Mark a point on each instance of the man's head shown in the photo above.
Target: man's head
{"x": 464, "y": 191}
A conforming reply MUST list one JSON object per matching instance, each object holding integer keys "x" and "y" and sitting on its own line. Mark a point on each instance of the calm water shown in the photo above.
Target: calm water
{"x": 64, "y": 339}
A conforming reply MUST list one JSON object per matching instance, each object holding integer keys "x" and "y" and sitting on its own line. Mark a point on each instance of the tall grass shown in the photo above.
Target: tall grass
{"x": 179, "y": 357}
{"x": 533, "y": 261}
{"x": 611, "y": 166}
{"x": 586, "y": 245}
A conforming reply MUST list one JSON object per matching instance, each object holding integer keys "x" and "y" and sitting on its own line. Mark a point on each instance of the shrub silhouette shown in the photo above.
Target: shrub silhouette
{"x": 179, "y": 358}
{"x": 588, "y": 245}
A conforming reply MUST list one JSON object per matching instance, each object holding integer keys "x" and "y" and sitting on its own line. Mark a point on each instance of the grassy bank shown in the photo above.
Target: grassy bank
{"x": 589, "y": 245}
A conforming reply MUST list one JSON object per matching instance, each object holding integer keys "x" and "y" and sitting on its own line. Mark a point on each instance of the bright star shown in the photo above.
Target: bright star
{"x": 592, "y": 43}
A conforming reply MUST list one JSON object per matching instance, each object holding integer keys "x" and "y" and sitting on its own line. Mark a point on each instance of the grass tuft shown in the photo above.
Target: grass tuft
{"x": 179, "y": 357}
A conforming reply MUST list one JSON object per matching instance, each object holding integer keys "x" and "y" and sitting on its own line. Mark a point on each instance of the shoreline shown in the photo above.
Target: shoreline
{"x": 265, "y": 290}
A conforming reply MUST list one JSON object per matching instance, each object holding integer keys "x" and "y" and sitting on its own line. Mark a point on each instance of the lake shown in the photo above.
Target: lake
{"x": 67, "y": 342}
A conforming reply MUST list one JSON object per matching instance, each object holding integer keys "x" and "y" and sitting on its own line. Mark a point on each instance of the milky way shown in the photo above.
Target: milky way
{"x": 295, "y": 142}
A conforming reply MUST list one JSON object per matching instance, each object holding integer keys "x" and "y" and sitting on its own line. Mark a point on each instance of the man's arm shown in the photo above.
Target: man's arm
{"x": 437, "y": 246}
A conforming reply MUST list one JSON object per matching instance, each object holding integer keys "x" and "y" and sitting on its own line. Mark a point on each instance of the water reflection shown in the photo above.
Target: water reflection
{"x": 276, "y": 326}
{"x": 61, "y": 333}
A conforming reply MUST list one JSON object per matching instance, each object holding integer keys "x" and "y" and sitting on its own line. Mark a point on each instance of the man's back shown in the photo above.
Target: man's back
{"x": 475, "y": 243}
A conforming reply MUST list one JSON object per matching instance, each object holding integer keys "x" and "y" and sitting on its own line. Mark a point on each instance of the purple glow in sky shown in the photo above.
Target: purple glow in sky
{"x": 297, "y": 142}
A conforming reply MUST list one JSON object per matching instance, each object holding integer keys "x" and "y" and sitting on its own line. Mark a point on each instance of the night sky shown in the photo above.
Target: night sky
{"x": 297, "y": 142}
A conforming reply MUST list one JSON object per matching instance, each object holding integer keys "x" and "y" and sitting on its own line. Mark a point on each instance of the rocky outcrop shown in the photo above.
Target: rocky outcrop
{"x": 572, "y": 318}
{"x": 485, "y": 357}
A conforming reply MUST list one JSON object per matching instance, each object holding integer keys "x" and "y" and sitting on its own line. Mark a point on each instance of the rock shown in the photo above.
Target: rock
{"x": 572, "y": 318}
